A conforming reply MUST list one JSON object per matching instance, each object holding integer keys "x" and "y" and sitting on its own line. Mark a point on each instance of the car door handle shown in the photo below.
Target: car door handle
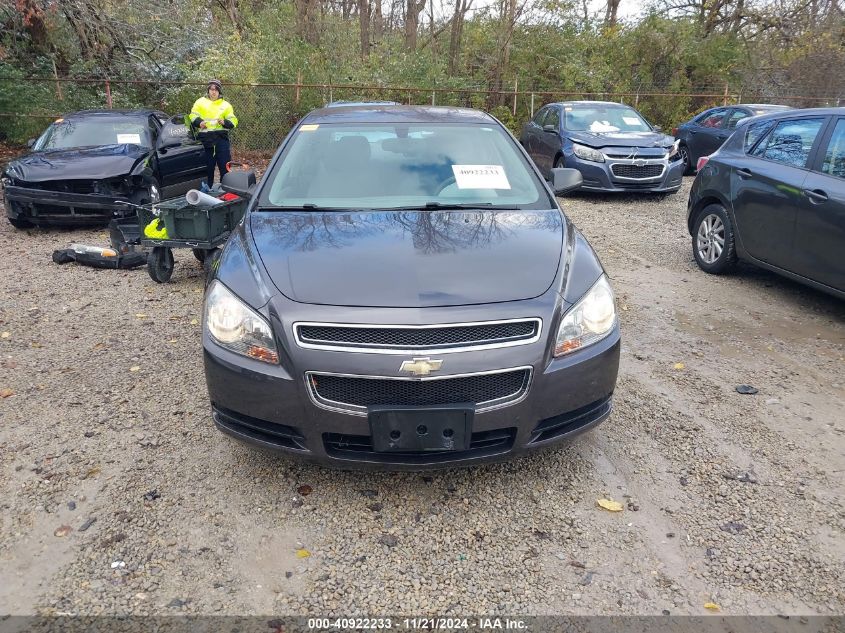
{"x": 816, "y": 196}
{"x": 743, "y": 173}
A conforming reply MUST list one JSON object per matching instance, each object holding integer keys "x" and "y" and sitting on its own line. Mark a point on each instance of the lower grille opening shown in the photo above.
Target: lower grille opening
{"x": 360, "y": 447}
{"x": 572, "y": 421}
{"x": 357, "y": 393}
{"x": 269, "y": 432}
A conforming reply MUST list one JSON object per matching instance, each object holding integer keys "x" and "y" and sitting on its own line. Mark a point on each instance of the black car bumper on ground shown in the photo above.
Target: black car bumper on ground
{"x": 537, "y": 406}
{"x": 41, "y": 206}
{"x": 616, "y": 176}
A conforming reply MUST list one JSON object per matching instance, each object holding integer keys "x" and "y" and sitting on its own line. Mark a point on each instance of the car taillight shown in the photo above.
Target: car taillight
{"x": 675, "y": 131}
{"x": 701, "y": 163}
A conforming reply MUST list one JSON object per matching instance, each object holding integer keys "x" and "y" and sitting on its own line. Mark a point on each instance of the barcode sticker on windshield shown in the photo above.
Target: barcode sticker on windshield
{"x": 480, "y": 177}
{"x": 631, "y": 120}
{"x": 129, "y": 138}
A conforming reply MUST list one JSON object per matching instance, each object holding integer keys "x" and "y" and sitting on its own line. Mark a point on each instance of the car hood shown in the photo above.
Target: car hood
{"x": 94, "y": 163}
{"x": 622, "y": 139}
{"x": 409, "y": 259}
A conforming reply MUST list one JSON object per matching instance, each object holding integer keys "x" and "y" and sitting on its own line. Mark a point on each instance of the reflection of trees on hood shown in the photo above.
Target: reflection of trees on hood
{"x": 431, "y": 231}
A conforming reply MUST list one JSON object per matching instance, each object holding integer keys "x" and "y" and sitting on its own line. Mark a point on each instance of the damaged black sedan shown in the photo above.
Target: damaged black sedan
{"x": 85, "y": 163}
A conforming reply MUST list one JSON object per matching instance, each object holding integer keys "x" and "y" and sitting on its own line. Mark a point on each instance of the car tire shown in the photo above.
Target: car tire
{"x": 148, "y": 195}
{"x": 683, "y": 150}
{"x": 713, "y": 240}
{"x": 160, "y": 264}
{"x": 20, "y": 223}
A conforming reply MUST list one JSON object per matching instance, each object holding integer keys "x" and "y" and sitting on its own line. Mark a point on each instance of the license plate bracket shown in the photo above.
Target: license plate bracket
{"x": 414, "y": 429}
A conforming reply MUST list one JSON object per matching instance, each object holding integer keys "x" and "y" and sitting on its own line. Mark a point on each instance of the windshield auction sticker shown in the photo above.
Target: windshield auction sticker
{"x": 480, "y": 177}
{"x": 129, "y": 138}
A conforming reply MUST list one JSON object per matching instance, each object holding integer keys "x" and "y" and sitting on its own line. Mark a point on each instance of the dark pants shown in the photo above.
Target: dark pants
{"x": 218, "y": 155}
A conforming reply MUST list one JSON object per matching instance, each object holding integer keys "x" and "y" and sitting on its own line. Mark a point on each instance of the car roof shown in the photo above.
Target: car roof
{"x": 799, "y": 112}
{"x": 377, "y": 113}
{"x": 592, "y": 103}
{"x": 81, "y": 114}
{"x": 341, "y": 104}
{"x": 771, "y": 106}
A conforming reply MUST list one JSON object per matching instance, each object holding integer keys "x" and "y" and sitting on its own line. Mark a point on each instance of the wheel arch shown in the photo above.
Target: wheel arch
{"x": 702, "y": 202}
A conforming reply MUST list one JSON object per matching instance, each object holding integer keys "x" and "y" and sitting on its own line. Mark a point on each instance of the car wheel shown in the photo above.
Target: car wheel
{"x": 560, "y": 161}
{"x": 147, "y": 195}
{"x": 683, "y": 150}
{"x": 713, "y": 240}
{"x": 20, "y": 223}
{"x": 160, "y": 264}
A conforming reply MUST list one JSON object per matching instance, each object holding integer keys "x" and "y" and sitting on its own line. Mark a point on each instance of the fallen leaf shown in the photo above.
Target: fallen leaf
{"x": 64, "y": 530}
{"x": 712, "y": 606}
{"x": 679, "y": 365}
{"x": 5, "y": 393}
{"x": 135, "y": 368}
{"x": 305, "y": 490}
{"x": 92, "y": 472}
{"x": 140, "y": 315}
{"x": 624, "y": 307}
{"x": 610, "y": 504}
{"x": 173, "y": 340}
{"x": 5, "y": 335}
{"x": 194, "y": 322}
{"x": 302, "y": 553}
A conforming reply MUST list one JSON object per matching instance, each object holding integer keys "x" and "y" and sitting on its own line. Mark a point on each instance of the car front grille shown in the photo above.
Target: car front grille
{"x": 360, "y": 447}
{"x": 403, "y": 339}
{"x": 624, "y": 170}
{"x": 355, "y": 393}
{"x": 64, "y": 186}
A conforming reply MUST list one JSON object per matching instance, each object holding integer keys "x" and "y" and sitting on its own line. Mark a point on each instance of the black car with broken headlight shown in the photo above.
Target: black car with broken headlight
{"x": 405, "y": 292}
{"x": 86, "y": 161}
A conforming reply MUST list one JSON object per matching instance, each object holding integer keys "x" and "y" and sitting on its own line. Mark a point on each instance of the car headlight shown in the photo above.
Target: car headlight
{"x": 5, "y": 180}
{"x": 674, "y": 149}
{"x": 237, "y": 327}
{"x": 589, "y": 320}
{"x": 587, "y": 153}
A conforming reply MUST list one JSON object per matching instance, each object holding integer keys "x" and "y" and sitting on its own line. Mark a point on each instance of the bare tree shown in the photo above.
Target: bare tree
{"x": 458, "y": 19}
{"x": 364, "y": 27}
{"x": 413, "y": 8}
{"x": 611, "y": 13}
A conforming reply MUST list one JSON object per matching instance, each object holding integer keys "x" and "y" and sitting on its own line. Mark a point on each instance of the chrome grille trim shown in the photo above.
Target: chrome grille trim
{"x": 352, "y": 409}
{"x": 336, "y": 346}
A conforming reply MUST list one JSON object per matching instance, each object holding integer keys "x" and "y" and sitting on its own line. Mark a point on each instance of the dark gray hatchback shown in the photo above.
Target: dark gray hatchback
{"x": 405, "y": 292}
{"x": 774, "y": 195}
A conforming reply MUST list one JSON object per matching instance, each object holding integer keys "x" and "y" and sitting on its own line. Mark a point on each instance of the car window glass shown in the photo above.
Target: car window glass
{"x": 753, "y": 134}
{"x": 600, "y": 118}
{"x": 538, "y": 118}
{"x": 95, "y": 132}
{"x": 714, "y": 119}
{"x": 834, "y": 158}
{"x": 702, "y": 116}
{"x": 383, "y": 166}
{"x": 790, "y": 142}
{"x": 553, "y": 118}
{"x": 735, "y": 118}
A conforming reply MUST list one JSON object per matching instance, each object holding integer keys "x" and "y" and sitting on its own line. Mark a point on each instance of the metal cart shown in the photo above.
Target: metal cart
{"x": 202, "y": 229}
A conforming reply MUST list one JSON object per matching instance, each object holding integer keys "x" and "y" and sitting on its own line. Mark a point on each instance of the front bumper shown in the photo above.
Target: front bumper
{"x": 601, "y": 176}
{"x": 41, "y": 206}
{"x": 268, "y": 406}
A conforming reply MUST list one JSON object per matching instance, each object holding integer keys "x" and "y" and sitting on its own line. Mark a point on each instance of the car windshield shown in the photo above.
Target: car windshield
{"x": 390, "y": 166}
{"x": 604, "y": 119}
{"x": 94, "y": 132}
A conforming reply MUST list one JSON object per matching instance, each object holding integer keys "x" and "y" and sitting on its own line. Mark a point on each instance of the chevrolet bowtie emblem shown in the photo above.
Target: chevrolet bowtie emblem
{"x": 421, "y": 366}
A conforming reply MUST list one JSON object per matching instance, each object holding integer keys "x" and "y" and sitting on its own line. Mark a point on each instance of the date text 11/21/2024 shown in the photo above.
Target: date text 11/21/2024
{"x": 421, "y": 623}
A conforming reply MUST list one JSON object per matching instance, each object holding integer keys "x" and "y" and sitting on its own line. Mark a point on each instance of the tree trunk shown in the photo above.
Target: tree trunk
{"x": 611, "y": 13}
{"x": 458, "y": 18}
{"x": 412, "y": 22}
{"x": 378, "y": 22}
{"x": 364, "y": 26}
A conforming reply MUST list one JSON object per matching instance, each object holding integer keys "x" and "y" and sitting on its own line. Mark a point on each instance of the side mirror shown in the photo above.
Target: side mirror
{"x": 240, "y": 182}
{"x": 30, "y": 143}
{"x": 565, "y": 179}
{"x": 550, "y": 128}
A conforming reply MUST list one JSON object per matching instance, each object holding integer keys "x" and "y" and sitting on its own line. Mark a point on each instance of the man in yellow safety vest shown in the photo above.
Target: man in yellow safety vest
{"x": 214, "y": 117}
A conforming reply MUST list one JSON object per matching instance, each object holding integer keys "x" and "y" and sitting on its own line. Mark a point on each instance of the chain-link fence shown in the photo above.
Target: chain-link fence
{"x": 267, "y": 111}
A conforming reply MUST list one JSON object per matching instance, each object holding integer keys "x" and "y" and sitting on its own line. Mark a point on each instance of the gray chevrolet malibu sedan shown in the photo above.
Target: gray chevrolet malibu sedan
{"x": 404, "y": 292}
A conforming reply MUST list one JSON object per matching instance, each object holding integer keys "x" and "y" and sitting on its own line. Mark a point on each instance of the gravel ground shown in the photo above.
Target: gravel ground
{"x": 118, "y": 496}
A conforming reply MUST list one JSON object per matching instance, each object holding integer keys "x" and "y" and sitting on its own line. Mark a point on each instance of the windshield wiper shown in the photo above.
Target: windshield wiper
{"x": 301, "y": 207}
{"x": 463, "y": 205}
